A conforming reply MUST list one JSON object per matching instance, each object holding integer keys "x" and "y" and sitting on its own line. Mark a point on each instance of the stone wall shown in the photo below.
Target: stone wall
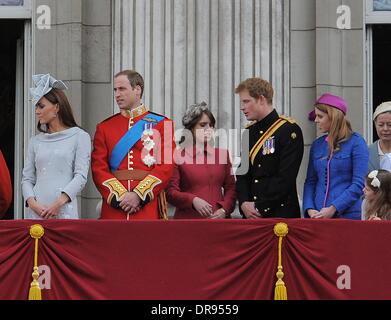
{"x": 77, "y": 49}
{"x": 89, "y": 40}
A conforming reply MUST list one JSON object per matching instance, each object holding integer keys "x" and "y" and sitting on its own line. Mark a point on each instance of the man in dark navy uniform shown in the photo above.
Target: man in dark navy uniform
{"x": 268, "y": 188}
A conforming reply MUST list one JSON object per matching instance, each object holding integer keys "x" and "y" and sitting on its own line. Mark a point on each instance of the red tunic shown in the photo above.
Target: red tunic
{"x": 107, "y": 134}
{"x": 208, "y": 176}
{"x": 5, "y": 187}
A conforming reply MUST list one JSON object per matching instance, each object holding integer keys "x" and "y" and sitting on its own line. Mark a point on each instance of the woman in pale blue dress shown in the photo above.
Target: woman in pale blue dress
{"x": 58, "y": 158}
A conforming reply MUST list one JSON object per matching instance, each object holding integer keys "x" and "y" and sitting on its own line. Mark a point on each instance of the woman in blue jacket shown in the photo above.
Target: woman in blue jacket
{"x": 337, "y": 166}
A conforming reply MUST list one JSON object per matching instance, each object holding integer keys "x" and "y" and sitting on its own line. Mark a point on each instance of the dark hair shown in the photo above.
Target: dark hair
{"x": 135, "y": 79}
{"x": 257, "y": 87}
{"x": 381, "y": 204}
{"x": 193, "y": 114}
{"x": 65, "y": 114}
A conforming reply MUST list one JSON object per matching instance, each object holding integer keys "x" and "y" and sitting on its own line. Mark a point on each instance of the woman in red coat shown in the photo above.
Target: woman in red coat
{"x": 203, "y": 184}
{"x": 5, "y": 187}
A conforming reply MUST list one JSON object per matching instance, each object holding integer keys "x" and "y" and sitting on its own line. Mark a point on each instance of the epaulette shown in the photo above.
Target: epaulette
{"x": 250, "y": 124}
{"x": 110, "y": 117}
{"x": 161, "y": 115}
{"x": 288, "y": 119}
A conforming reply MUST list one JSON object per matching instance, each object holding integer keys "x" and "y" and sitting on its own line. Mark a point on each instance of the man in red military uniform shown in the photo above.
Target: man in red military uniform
{"x": 132, "y": 157}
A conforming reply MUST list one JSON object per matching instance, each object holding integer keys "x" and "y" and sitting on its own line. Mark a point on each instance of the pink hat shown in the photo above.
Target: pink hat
{"x": 333, "y": 101}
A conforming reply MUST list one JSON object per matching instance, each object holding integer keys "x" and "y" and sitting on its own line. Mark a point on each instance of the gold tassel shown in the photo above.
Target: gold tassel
{"x": 36, "y": 232}
{"x": 280, "y": 292}
{"x": 35, "y": 290}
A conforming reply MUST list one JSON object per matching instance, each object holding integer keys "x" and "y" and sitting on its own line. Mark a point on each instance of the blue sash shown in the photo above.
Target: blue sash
{"x": 130, "y": 138}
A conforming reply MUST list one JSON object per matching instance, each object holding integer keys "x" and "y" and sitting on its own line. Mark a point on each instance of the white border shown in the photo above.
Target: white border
{"x": 19, "y": 128}
{"x": 368, "y": 84}
{"x": 116, "y": 48}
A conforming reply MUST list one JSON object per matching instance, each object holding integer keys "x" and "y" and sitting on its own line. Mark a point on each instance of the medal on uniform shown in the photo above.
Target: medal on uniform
{"x": 265, "y": 147}
{"x": 268, "y": 146}
{"x": 148, "y": 129}
{"x": 149, "y": 160}
{"x": 272, "y": 141}
{"x": 148, "y": 144}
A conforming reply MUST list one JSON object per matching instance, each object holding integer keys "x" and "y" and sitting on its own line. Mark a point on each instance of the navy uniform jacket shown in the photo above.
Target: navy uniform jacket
{"x": 270, "y": 181}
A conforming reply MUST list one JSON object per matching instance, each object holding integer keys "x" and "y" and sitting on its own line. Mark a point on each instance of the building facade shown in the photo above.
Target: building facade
{"x": 191, "y": 51}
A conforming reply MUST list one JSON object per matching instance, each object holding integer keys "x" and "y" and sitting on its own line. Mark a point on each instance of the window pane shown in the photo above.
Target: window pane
{"x": 11, "y": 2}
{"x": 382, "y": 5}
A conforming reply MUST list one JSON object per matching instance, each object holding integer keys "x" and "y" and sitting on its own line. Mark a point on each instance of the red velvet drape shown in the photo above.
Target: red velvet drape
{"x": 203, "y": 260}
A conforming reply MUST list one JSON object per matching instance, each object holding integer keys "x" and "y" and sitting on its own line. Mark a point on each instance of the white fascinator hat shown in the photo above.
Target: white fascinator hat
{"x": 43, "y": 84}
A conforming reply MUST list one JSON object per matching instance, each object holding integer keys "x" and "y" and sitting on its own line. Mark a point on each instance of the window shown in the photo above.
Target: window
{"x": 378, "y": 11}
{"x": 15, "y": 9}
{"x": 11, "y": 2}
{"x": 382, "y": 5}
{"x": 377, "y": 44}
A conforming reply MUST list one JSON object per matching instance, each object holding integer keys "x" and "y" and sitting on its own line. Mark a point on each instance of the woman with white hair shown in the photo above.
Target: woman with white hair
{"x": 382, "y": 146}
{"x": 58, "y": 158}
{"x": 202, "y": 185}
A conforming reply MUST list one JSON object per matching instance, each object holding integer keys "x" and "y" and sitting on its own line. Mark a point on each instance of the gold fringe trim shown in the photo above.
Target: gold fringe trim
{"x": 162, "y": 205}
{"x": 280, "y": 292}
{"x": 36, "y": 232}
